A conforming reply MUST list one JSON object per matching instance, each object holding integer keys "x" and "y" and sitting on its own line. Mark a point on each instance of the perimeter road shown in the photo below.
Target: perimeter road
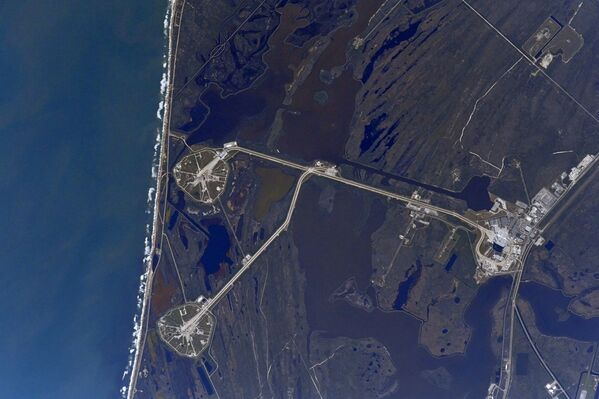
{"x": 176, "y": 8}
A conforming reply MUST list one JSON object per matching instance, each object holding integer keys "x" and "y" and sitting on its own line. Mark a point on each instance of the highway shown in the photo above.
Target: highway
{"x": 534, "y": 347}
{"x": 176, "y": 12}
{"x": 307, "y": 172}
{"x": 324, "y": 171}
{"x": 506, "y": 380}
{"x": 176, "y": 8}
{"x": 567, "y": 198}
{"x": 505, "y": 377}
{"x": 510, "y": 314}
{"x": 365, "y": 187}
{"x": 550, "y": 217}
{"x": 248, "y": 262}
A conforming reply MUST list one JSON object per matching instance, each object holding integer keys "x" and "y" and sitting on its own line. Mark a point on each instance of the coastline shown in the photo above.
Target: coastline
{"x": 153, "y": 247}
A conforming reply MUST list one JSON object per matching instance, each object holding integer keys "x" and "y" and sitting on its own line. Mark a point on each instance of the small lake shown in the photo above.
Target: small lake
{"x": 215, "y": 253}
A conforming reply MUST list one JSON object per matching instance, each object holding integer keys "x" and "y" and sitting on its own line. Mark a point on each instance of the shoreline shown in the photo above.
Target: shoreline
{"x": 156, "y": 237}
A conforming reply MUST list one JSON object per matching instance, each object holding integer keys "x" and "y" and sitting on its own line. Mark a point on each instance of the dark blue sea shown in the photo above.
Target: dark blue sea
{"x": 79, "y": 88}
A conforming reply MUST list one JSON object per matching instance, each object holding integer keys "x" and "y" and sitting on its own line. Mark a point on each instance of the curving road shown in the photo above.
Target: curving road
{"x": 307, "y": 172}
{"x": 362, "y": 186}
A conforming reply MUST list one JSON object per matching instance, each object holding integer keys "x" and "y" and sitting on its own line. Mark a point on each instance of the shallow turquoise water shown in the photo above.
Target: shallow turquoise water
{"x": 80, "y": 88}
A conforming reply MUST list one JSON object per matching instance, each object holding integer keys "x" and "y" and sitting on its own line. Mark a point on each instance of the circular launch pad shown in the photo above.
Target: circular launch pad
{"x": 202, "y": 175}
{"x": 186, "y": 329}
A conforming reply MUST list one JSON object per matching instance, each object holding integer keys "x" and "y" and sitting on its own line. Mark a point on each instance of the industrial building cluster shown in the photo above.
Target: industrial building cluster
{"x": 513, "y": 226}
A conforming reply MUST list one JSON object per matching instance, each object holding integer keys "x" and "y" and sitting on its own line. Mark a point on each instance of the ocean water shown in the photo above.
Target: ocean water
{"x": 80, "y": 85}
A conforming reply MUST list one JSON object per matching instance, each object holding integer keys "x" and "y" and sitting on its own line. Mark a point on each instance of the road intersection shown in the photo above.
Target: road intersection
{"x": 153, "y": 258}
{"x": 322, "y": 170}
{"x": 330, "y": 172}
{"x": 484, "y": 235}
